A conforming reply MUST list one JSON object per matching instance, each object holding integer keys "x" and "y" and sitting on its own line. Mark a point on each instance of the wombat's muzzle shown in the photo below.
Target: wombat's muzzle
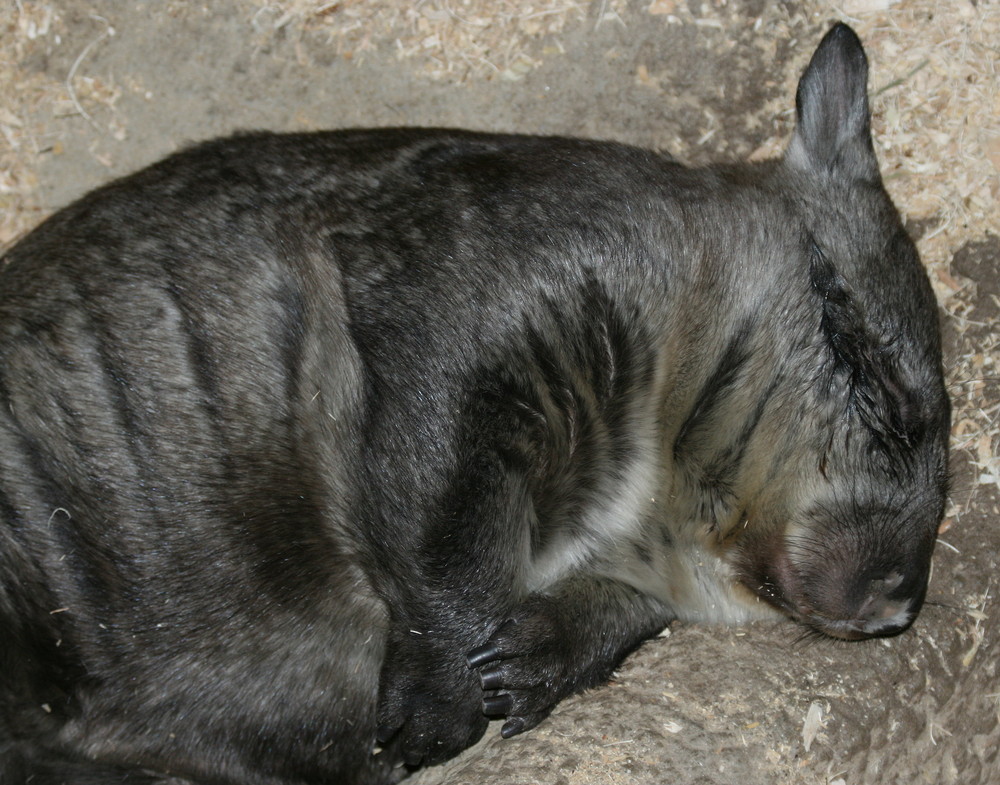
{"x": 836, "y": 588}
{"x": 877, "y": 607}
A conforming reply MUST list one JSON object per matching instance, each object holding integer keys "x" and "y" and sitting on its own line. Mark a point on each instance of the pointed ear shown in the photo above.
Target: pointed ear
{"x": 832, "y": 130}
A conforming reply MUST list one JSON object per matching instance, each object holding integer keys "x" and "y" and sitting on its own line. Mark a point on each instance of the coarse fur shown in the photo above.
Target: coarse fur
{"x": 319, "y": 450}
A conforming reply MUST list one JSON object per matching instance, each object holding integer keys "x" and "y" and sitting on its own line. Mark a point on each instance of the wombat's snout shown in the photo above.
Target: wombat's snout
{"x": 838, "y": 586}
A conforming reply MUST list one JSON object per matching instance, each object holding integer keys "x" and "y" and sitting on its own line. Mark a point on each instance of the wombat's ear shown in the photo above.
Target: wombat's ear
{"x": 832, "y": 130}
{"x": 884, "y": 404}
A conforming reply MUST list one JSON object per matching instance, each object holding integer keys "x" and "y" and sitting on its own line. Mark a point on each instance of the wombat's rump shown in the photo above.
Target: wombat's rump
{"x": 319, "y": 446}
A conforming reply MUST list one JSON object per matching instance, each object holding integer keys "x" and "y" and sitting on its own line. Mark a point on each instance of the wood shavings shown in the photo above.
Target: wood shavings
{"x": 814, "y": 724}
{"x": 25, "y": 29}
{"x": 933, "y": 117}
{"x": 659, "y": 7}
{"x": 90, "y": 85}
{"x": 865, "y": 6}
{"x": 978, "y": 615}
{"x": 30, "y": 98}
{"x": 443, "y": 38}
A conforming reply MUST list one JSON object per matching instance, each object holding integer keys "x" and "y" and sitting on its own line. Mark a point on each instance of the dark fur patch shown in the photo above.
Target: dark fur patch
{"x": 717, "y": 387}
{"x": 875, "y": 394}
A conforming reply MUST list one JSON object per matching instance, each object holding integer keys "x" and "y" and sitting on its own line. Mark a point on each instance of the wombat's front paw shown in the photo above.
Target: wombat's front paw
{"x": 430, "y": 704}
{"x": 525, "y": 669}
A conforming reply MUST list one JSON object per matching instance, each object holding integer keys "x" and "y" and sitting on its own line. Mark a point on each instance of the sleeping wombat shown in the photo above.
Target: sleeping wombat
{"x": 319, "y": 450}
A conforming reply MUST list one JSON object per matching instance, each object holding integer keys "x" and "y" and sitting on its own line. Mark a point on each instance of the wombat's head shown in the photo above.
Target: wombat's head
{"x": 850, "y": 553}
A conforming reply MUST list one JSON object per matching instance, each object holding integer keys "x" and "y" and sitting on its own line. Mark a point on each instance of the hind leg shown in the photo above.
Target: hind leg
{"x": 276, "y": 694}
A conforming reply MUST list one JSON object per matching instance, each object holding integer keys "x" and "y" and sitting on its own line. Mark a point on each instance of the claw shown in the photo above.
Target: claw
{"x": 482, "y": 654}
{"x": 512, "y": 728}
{"x": 491, "y": 678}
{"x": 497, "y": 705}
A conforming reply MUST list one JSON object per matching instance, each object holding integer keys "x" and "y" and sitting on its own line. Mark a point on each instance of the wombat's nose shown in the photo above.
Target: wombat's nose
{"x": 882, "y": 610}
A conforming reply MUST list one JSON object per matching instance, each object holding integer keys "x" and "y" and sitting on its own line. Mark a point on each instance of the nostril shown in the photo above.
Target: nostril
{"x": 876, "y": 607}
{"x": 882, "y": 587}
{"x": 891, "y": 582}
{"x": 882, "y": 614}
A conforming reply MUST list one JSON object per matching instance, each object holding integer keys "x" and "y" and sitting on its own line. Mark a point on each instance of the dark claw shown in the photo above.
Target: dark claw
{"x": 512, "y": 727}
{"x": 497, "y": 705}
{"x": 482, "y": 654}
{"x": 491, "y": 678}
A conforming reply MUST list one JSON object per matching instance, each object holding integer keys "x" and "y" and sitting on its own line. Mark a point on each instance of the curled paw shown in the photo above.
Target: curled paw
{"x": 524, "y": 671}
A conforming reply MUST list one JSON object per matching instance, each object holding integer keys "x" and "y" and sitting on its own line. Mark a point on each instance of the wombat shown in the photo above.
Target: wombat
{"x": 318, "y": 451}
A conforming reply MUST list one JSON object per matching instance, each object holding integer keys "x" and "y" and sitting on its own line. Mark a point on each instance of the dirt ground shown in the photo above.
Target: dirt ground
{"x": 97, "y": 88}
